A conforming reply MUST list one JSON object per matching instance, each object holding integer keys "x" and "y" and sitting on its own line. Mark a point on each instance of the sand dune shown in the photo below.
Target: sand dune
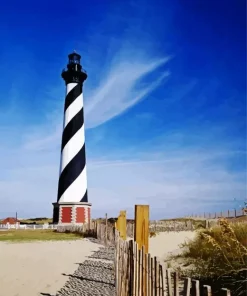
{"x": 166, "y": 243}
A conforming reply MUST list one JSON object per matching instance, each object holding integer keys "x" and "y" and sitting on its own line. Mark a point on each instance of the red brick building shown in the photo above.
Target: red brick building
{"x": 10, "y": 221}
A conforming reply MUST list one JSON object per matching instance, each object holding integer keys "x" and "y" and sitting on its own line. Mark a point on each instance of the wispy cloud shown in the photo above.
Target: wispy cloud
{"x": 118, "y": 91}
{"x": 122, "y": 86}
{"x": 33, "y": 160}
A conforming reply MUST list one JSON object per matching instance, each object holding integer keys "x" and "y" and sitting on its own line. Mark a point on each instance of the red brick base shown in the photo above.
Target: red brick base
{"x": 80, "y": 215}
{"x": 83, "y": 215}
{"x": 71, "y": 213}
{"x": 66, "y": 214}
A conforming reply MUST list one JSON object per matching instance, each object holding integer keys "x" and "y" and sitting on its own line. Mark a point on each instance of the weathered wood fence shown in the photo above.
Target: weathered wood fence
{"x": 233, "y": 213}
{"x": 140, "y": 274}
{"x": 137, "y": 273}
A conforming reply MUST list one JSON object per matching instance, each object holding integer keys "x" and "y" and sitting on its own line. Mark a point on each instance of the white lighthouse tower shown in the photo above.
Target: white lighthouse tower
{"x": 72, "y": 205}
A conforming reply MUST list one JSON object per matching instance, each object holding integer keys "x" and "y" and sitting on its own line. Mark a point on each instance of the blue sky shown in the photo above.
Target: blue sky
{"x": 165, "y": 103}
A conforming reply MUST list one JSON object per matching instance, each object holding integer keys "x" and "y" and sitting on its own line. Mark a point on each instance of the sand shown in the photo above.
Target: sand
{"x": 36, "y": 268}
{"x": 166, "y": 243}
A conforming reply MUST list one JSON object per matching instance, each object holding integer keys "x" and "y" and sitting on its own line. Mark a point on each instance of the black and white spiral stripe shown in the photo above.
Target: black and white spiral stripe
{"x": 72, "y": 185}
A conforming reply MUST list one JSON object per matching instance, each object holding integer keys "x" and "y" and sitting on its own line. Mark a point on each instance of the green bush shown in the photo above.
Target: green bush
{"x": 219, "y": 256}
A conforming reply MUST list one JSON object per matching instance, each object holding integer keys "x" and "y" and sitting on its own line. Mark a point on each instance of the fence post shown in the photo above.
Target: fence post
{"x": 121, "y": 224}
{"x": 169, "y": 282}
{"x": 176, "y": 283}
{"x": 142, "y": 226}
{"x": 227, "y": 292}
{"x": 228, "y": 213}
{"x": 207, "y": 290}
{"x": 106, "y": 229}
{"x": 187, "y": 286}
{"x": 195, "y": 288}
{"x": 235, "y": 213}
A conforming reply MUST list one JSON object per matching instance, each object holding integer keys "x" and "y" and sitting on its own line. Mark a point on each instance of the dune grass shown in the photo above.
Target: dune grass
{"x": 36, "y": 220}
{"x": 219, "y": 256}
{"x": 178, "y": 219}
{"x": 29, "y": 235}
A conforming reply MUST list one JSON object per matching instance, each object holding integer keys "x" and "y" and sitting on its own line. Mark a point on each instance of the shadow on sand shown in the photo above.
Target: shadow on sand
{"x": 85, "y": 264}
{"x": 87, "y": 279}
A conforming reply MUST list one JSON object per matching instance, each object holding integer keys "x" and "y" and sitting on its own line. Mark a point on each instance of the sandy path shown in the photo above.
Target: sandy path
{"x": 36, "y": 268}
{"x": 168, "y": 242}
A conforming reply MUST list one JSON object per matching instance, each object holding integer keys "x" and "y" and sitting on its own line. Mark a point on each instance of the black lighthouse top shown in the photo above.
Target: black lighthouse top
{"x": 74, "y": 71}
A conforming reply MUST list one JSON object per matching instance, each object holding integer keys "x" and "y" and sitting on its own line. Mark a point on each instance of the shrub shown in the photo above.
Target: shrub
{"x": 200, "y": 224}
{"x": 219, "y": 256}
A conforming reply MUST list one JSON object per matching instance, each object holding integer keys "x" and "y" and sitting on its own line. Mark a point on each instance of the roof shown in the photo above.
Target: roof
{"x": 10, "y": 220}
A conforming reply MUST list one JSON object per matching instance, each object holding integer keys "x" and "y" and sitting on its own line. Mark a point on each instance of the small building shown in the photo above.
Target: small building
{"x": 10, "y": 221}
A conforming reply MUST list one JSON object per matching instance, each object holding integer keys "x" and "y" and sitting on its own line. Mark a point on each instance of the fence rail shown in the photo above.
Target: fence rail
{"x": 28, "y": 226}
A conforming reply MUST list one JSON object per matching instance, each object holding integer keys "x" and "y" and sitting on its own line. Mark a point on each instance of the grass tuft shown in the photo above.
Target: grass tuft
{"x": 219, "y": 256}
{"x": 36, "y": 221}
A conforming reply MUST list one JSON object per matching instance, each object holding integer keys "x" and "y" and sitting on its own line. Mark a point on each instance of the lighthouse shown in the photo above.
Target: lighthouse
{"x": 72, "y": 205}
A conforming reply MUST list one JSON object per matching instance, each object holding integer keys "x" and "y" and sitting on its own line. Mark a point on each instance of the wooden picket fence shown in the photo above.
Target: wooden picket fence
{"x": 233, "y": 213}
{"x": 139, "y": 274}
